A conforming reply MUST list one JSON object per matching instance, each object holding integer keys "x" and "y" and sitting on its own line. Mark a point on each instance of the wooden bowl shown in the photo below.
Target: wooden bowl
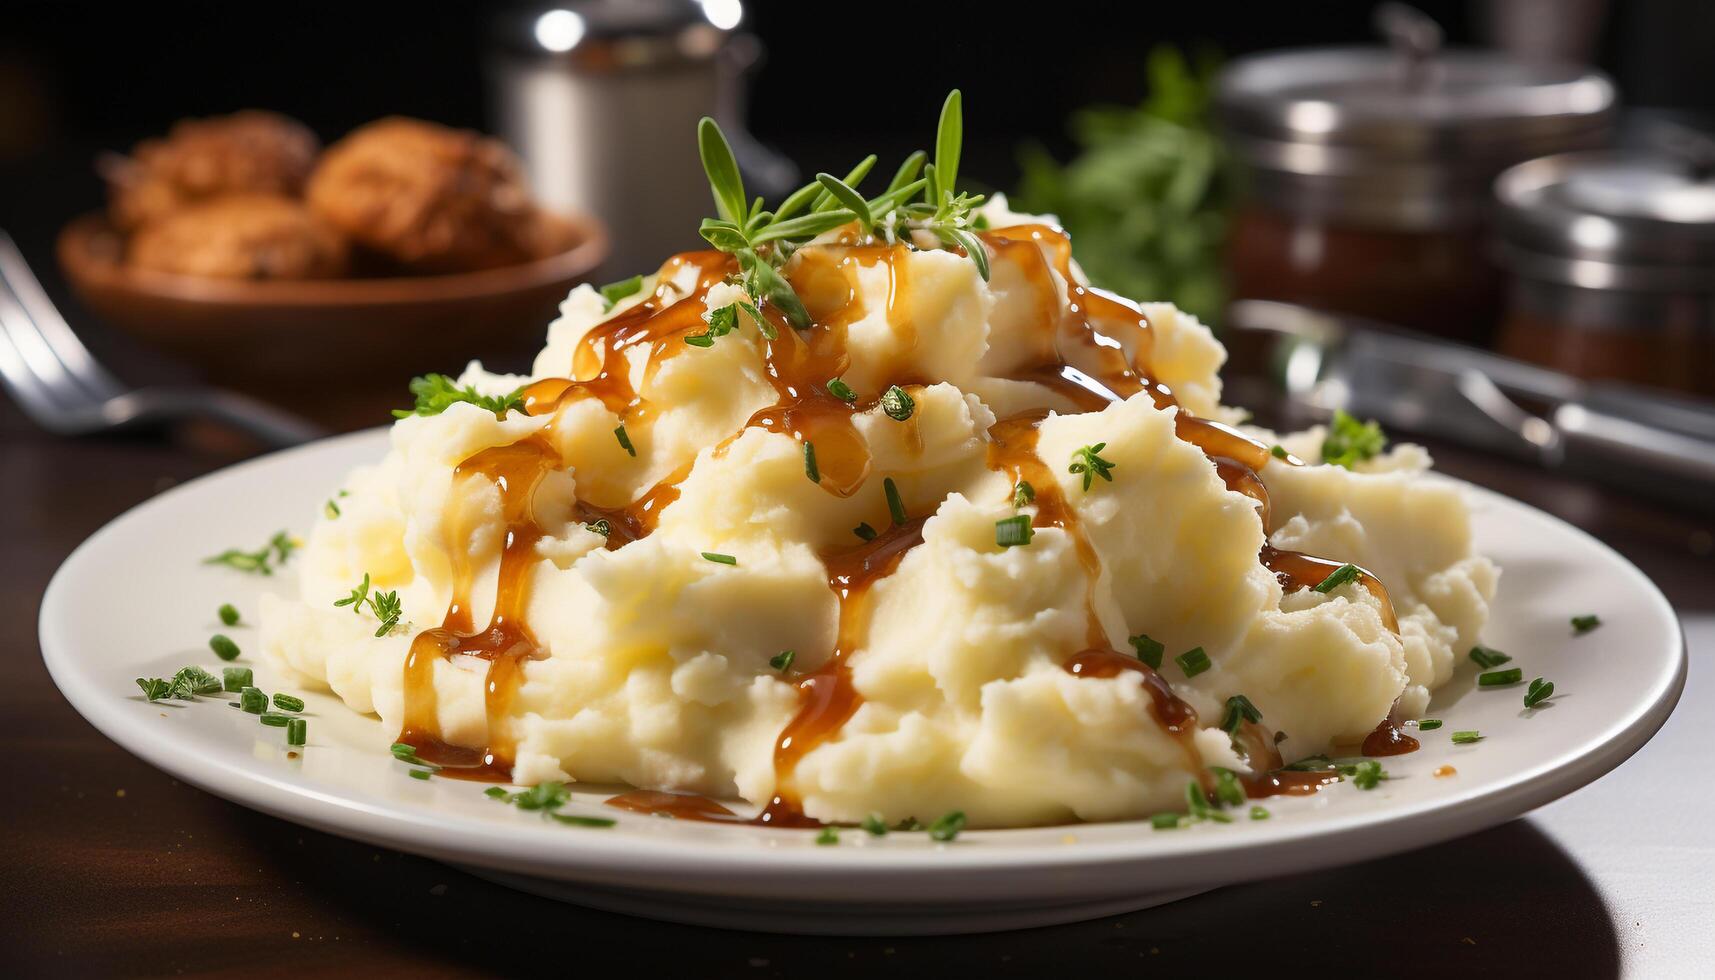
{"x": 321, "y": 346}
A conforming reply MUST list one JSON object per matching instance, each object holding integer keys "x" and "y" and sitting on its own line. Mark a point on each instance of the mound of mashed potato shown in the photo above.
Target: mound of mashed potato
{"x": 674, "y": 644}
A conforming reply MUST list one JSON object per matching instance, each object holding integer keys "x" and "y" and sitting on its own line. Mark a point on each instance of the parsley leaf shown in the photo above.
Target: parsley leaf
{"x": 435, "y": 393}
{"x": 1349, "y": 441}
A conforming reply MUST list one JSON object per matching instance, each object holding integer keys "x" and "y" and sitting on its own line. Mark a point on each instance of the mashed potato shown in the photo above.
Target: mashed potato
{"x": 650, "y": 664}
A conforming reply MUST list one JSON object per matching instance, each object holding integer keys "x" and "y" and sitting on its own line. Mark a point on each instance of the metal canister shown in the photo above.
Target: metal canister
{"x": 1369, "y": 171}
{"x": 1611, "y": 265}
{"x": 601, "y": 99}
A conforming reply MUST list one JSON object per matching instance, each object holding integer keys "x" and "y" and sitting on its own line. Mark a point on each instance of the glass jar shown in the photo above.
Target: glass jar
{"x": 1368, "y": 174}
{"x": 1611, "y": 267}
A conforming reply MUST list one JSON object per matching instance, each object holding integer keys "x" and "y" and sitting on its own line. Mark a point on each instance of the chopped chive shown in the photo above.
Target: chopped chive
{"x": 229, "y": 614}
{"x": 1584, "y": 624}
{"x": 947, "y": 825}
{"x": 839, "y": 389}
{"x": 253, "y": 700}
{"x": 331, "y": 509}
{"x": 810, "y": 468}
{"x": 1338, "y": 577}
{"x": 1013, "y": 531}
{"x": 274, "y": 719}
{"x": 1310, "y": 763}
{"x": 495, "y": 793}
{"x": 897, "y": 404}
{"x": 1486, "y": 657}
{"x": 1428, "y": 724}
{"x": 1165, "y": 821}
{"x": 1023, "y": 493}
{"x": 864, "y": 531}
{"x": 285, "y": 702}
{"x": 874, "y": 826}
{"x": 578, "y": 820}
{"x": 1540, "y": 691}
{"x": 419, "y": 773}
{"x": 1259, "y": 813}
{"x": 782, "y": 661}
{"x": 1149, "y": 651}
{"x": 236, "y": 679}
{"x": 613, "y": 292}
{"x": 1466, "y": 738}
{"x": 1277, "y": 451}
{"x": 1500, "y": 678}
{"x": 624, "y": 440}
{"x": 223, "y": 646}
{"x": 297, "y": 731}
{"x": 1239, "y": 709}
{"x": 828, "y": 835}
{"x": 719, "y": 558}
{"x": 895, "y": 505}
{"x": 704, "y": 340}
{"x": 1193, "y": 661}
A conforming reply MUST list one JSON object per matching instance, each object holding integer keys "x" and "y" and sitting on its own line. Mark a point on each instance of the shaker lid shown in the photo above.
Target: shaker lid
{"x": 1409, "y": 104}
{"x": 619, "y": 34}
{"x": 1646, "y": 209}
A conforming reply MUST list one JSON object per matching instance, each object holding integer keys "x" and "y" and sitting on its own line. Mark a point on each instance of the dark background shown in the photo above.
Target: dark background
{"x": 839, "y": 80}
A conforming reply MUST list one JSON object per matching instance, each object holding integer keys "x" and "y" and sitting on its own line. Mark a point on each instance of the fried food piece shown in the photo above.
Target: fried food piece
{"x": 429, "y": 198}
{"x": 242, "y": 236}
{"x": 247, "y": 152}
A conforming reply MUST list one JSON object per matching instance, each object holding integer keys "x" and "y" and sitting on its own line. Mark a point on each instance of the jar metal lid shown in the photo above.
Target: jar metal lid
{"x": 602, "y": 36}
{"x": 1621, "y": 219}
{"x": 1397, "y": 139}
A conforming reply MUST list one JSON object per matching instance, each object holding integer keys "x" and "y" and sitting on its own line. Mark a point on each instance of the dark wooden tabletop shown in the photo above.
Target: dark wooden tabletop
{"x": 112, "y": 867}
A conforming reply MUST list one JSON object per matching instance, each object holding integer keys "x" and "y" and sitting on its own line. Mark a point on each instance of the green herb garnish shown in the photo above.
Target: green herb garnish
{"x": 864, "y": 531}
{"x": 1023, "y": 493}
{"x": 1486, "y": 657}
{"x": 1584, "y": 624}
{"x": 719, "y": 558}
{"x": 1149, "y": 651}
{"x": 1349, "y": 441}
{"x": 286, "y": 702}
{"x": 874, "y": 826}
{"x": 828, "y": 835}
{"x": 423, "y": 774}
{"x": 386, "y": 606}
{"x": 895, "y": 504}
{"x": 1086, "y": 460}
{"x": 897, "y": 403}
{"x": 1278, "y": 451}
{"x": 1013, "y": 531}
{"x": 546, "y": 798}
{"x": 613, "y": 292}
{"x": 1238, "y": 709}
{"x": 154, "y": 688}
{"x": 263, "y": 560}
{"x": 782, "y": 661}
{"x": 1166, "y": 821}
{"x": 435, "y": 393}
{"x": 236, "y": 679}
{"x": 1466, "y": 738}
{"x": 297, "y": 731}
{"x": 839, "y": 389}
{"x": 1428, "y": 724}
{"x": 407, "y": 753}
{"x": 1500, "y": 678}
{"x": 1193, "y": 661}
{"x": 1227, "y": 788}
{"x": 811, "y": 470}
{"x": 253, "y": 700}
{"x": 1368, "y": 774}
{"x": 1338, "y": 577}
{"x": 274, "y": 719}
{"x": 1259, "y": 813}
{"x": 228, "y": 614}
{"x": 625, "y": 440}
{"x": 1540, "y": 691}
{"x": 947, "y": 826}
{"x": 223, "y": 646}
{"x": 191, "y": 681}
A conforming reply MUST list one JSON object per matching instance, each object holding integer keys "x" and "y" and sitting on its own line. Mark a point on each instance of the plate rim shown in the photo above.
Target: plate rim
{"x": 697, "y": 866}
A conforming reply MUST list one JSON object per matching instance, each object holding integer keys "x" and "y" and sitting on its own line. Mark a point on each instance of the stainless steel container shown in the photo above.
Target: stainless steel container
{"x": 1611, "y": 262}
{"x": 1368, "y": 171}
{"x": 601, "y": 99}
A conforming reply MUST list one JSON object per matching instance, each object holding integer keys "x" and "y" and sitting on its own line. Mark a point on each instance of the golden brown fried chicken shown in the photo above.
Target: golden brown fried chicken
{"x": 247, "y": 152}
{"x": 430, "y": 198}
{"x": 241, "y": 236}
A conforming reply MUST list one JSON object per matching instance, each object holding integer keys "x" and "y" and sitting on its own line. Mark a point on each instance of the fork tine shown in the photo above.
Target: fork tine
{"x": 42, "y": 401}
{"x": 57, "y": 337}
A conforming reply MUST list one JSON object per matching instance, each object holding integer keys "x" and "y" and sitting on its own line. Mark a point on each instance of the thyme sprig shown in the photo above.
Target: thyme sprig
{"x": 763, "y": 240}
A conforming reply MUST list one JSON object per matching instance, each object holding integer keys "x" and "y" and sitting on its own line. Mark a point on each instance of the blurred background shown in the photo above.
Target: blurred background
{"x": 1342, "y": 166}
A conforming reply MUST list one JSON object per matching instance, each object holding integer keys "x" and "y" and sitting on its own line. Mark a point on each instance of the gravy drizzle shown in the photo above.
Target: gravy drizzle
{"x": 1092, "y": 350}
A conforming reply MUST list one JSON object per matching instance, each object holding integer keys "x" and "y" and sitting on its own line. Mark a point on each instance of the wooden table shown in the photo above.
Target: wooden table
{"x": 110, "y": 866}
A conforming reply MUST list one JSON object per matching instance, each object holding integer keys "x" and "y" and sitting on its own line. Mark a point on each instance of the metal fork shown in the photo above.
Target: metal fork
{"x": 61, "y": 386}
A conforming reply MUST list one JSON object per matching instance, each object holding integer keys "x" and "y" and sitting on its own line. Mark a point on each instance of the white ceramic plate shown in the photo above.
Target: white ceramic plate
{"x": 157, "y": 609}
